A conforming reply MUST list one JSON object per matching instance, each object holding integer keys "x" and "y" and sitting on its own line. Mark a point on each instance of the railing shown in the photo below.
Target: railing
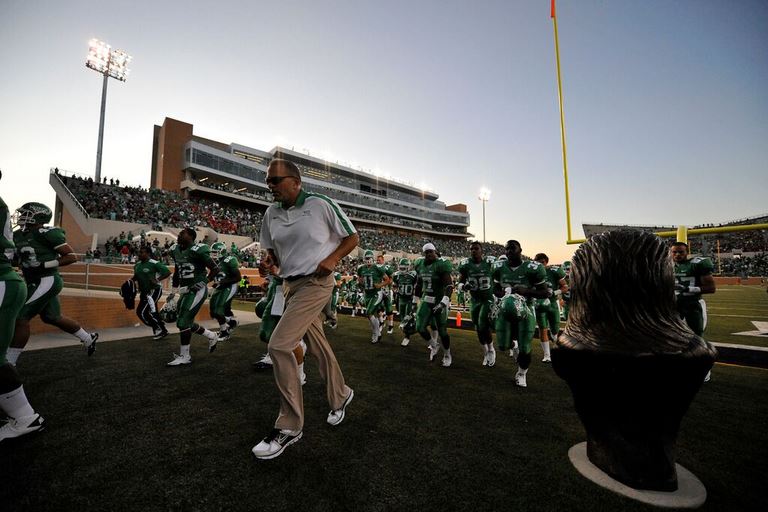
{"x": 58, "y": 173}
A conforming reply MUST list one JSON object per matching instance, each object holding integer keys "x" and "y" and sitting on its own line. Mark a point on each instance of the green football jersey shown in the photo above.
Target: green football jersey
{"x": 191, "y": 263}
{"x": 431, "y": 277}
{"x": 372, "y": 276}
{"x": 529, "y": 273}
{"x": 147, "y": 274}
{"x": 228, "y": 267}
{"x": 7, "y": 247}
{"x": 479, "y": 276}
{"x": 38, "y": 246}
{"x": 406, "y": 283}
{"x": 689, "y": 273}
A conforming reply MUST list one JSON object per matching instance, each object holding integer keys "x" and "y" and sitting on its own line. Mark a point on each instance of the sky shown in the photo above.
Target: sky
{"x": 666, "y": 103}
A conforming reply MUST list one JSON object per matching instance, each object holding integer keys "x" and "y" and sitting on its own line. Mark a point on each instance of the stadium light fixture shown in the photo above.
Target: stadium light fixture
{"x": 484, "y": 196}
{"x": 111, "y": 63}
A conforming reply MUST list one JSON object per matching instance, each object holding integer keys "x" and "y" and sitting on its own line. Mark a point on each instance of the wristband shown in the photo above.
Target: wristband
{"x": 51, "y": 264}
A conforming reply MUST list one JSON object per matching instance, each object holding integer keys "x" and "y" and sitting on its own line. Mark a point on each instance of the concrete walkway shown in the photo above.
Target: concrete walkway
{"x": 62, "y": 339}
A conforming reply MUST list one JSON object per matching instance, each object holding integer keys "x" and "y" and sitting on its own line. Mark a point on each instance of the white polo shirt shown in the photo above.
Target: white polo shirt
{"x": 305, "y": 234}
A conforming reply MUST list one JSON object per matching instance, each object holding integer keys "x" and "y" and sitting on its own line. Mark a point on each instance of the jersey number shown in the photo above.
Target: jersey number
{"x": 187, "y": 271}
{"x": 28, "y": 256}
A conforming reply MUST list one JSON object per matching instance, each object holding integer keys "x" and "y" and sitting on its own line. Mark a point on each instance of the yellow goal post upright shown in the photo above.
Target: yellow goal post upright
{"x": 681, "y": 233}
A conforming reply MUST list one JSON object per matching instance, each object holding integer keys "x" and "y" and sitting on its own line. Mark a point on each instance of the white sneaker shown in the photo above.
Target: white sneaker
{"x": 434, "y": 348}
{"x": 233, "y": 327}
{"x": 179, "y": 360}
{"x": 405, "y": 342}
{"x": 391, "y": 329}
{"x": 520, "y": 380}
{"x": 447, "y": 359}
{"x": 223, "y": 335}
{"x": 708, "y": 377}
{"x": 491, "y": 358}
{"x": 274, "y": 444}
{"x": 212, "y": 341}
{"x": 546, "y": 360}
{"x": 337, "y": 416}
{"x": 22, "y": 425}
{"x": 90, "y": 346}
{"x": 375, "y": 339}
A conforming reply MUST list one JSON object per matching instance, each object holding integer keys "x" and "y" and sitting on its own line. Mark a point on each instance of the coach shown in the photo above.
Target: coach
{"x": 305, "y": 235}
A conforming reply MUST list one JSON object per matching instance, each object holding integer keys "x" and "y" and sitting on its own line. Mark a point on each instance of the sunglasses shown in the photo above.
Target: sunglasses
{"x": 276, "y": 180}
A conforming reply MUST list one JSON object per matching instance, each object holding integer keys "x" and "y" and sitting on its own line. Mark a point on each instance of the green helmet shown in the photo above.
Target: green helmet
{"x": 32, "y": 213}
{"x": 566, "y": 267}
{"x": 404, "y": 265}
{"x": 218, "y": 250}
{"x": 368, "y": 257}
{"x": 503, "y": 257}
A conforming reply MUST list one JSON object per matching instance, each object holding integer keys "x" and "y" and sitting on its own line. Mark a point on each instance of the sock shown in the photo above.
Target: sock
{"x": 545, "y": 348}
{"x": 433, "y": 337}
{"x": 12, "y": 355}
{"x": 520, "y": 371}
{"x": 374, "y": 325}
{"x": 485, "y": 349}
{"x": 83, "y": 335}
{"x": 184, "y": 350}
{"x": 15, "y": 404}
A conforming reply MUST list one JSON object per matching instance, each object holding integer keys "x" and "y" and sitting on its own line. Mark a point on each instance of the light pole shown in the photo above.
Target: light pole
{"x": 110, "y": 63}
{"x": 484, "y": 196}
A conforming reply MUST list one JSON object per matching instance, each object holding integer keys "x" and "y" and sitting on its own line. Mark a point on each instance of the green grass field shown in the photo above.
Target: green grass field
{"x": 731, "y": 309}
{"x": 127, "y": 433}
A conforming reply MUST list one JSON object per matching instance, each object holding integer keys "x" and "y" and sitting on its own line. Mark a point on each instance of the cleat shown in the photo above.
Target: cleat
{"x": 160, "y": 334}
{"x": 337, "y": 416}
{"x": 447, "y": 359}
{"x": 434, "y": 348}
{"x": 264, "y": 364}
{"x": 90, "y": 346}
{"x": 546, "y": 360}
{"x": 491, "y": 358}
{"x": 708, "y": 376}
{"x": 334, "y": 324}
{"x": 405, "y": 342}
{"x": 375, "y": 339}
{"x": 22, "y": 425}
{"x": 180, "y": 360}
{"x": 233, "y": 324}
{"x": 520, "y": 380}
{"x": 223, "y": 336}
{"x": 391, "y": 329}
{"x": 275, "y": 443}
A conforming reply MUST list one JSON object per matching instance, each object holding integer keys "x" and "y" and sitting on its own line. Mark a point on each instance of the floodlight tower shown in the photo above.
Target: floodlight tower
{"x": 110, "y": 63}
{"x": 484, "y": 196}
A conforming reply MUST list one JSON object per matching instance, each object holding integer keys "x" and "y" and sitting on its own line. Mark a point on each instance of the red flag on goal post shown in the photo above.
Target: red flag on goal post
{"x": 552, "y": 10}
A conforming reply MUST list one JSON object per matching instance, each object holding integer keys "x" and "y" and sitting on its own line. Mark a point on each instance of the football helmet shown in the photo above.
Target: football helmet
{"x": 218, "y": 250}
{"x": 503, "y": 257}
{"x": 567, "y": 267}
{"x": 30, "y": 214}
{"x": 368, "y": 258}
{"x": 404, "y": 265}
{"x": 170, "y": 310}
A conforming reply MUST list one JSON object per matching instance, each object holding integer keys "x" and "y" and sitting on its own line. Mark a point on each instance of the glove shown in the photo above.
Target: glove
{"x": 415, "y": 300}
{"x": 444, "y": 303}
{"x": 508, "y": 290}
{"x": 557, "y": 293}
{"x": 469, "y": 286}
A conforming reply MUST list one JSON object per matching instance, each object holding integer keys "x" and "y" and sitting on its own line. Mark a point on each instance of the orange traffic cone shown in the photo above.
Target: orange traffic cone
{"x": 458, "y": 319}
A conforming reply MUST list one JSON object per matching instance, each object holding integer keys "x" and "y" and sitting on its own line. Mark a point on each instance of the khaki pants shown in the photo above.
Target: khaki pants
{"x": 305, "y": 298}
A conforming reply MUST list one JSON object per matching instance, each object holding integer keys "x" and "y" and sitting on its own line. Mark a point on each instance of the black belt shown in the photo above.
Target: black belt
{"x": 294, "y": 278}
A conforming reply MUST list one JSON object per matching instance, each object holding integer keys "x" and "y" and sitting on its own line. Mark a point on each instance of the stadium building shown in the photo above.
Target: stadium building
{"x": 202, "y": 169}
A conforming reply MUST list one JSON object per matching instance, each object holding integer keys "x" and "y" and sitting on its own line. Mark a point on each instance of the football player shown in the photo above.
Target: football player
{"x": 693, "y": 277}
{"x": 548, "y": 310}
{"x": 476, "y": 277}
{"x": 529, "y": 280}
{"x": 372, "y": 279}
{"x": 147, "y": 274}
{"x": 330, "y": 307}
{"x": 41, "y": 250}
{"x": 388, "y": 309}
{"x": 225, "y": 286}
{"x": 566, "y": 266}
{"x": 404, "y": 282}
{"x": 435, "y": 286}
{"x": 269, "y": 309}
{"x": 22, "y": 418}
{"x": 190, "y": 282}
